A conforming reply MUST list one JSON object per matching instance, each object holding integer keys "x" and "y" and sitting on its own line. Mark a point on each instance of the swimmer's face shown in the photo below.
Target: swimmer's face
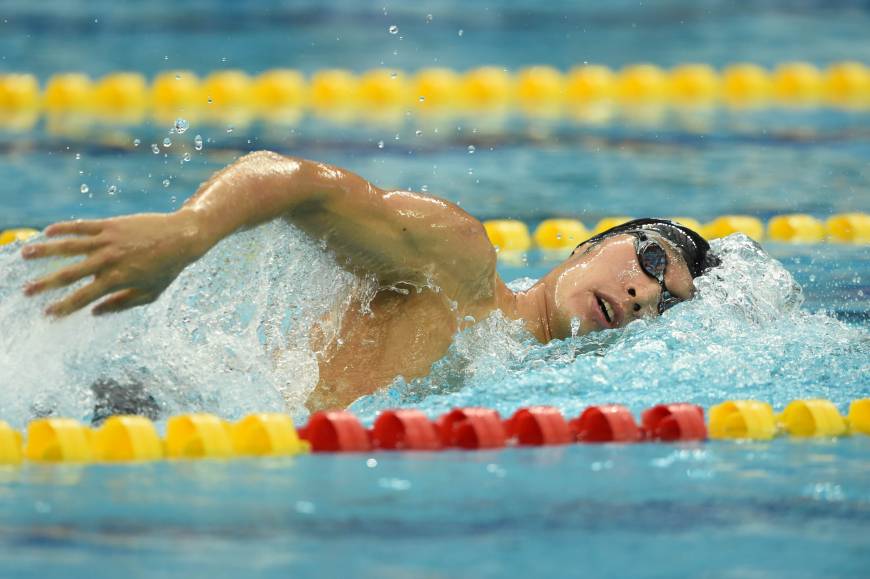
{"x": 604, "y": 286}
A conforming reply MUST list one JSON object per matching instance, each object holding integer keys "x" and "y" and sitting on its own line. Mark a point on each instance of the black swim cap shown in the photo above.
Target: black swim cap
{"x": 694, "y": 248}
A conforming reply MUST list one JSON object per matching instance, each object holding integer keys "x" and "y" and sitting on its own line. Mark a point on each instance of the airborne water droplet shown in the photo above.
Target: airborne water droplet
{"x": 197, "y": 142}
{"x": 380, "y": 144}
{"x": 229, "y": 129}
{"x": 393, "y": 29}
{"x": 78, "y": 156}
{"x": 461, "y": 32}
{"x": 112, "y": 189}
{"x": 181, "y": 125}
{"x": 186, "y": 157}
{"x": 136, "y": 142}
{"x": 418, "y": 132}
{"x": 155, "y": 149}
{"x": 166, "y": 182}
{"x": 167, "y": 142}
{"x": 471, "y": 149}
{"x": 85, "y": 188}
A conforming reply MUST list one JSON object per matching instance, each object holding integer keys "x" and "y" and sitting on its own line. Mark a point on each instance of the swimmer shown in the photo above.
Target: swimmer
{"x": 434, "y": 265}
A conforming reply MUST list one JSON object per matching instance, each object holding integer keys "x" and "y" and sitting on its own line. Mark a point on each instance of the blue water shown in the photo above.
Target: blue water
{"x": 221, "y": 339}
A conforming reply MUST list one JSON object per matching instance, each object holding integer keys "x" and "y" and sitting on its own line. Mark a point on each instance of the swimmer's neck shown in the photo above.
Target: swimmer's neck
{"x": 533, "y": 307}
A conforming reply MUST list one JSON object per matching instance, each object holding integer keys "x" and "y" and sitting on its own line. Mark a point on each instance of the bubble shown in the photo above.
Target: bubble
{"x": 84, "y": 188}
{"x": 181, "y": 125}
{"x": 197, "y": 142}
{"x": 471, "y": 149}
{"x": 155, "y": 149}
{"x": 167, "y": 142}
{"x": 166, "y": 182}
{"x": 112, "y": 190}
{"x": 380, "y": 144}
{"x": 393, "y": 29}
{"x": 136, "y": 142}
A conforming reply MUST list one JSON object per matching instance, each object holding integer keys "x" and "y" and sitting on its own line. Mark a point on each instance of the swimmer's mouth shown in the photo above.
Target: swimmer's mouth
{"x": 607, "y": 311}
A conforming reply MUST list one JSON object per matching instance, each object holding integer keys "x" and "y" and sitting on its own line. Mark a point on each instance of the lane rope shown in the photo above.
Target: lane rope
{"x": 199, "y": 436}
{"x": 581, "y": 92}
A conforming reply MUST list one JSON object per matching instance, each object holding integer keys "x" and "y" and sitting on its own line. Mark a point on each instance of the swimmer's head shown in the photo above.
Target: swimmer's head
{"x": 637, "y": 269}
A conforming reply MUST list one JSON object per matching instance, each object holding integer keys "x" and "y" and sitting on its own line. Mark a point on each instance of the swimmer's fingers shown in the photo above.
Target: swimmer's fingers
{"x": 77, "y": 227}
{"x": 77, "y": 300}
{"x": 123, "y": 300}
{"x": 63, "y": 247}
{"x": 64, "y": 277}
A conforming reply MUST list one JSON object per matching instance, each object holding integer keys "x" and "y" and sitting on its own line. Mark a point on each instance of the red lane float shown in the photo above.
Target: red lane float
{"x": 672, "y": 422}
{"x": 404, "y": 430}
{"x": 472, "y": 428}
{"x": 335, "y": 431}
{"x": 538, "y": 426}
{"x": 606, "y": 423}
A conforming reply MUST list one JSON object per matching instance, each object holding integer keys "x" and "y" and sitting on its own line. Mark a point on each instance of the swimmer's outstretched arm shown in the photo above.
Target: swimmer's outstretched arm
{"x": 398, "y": 236}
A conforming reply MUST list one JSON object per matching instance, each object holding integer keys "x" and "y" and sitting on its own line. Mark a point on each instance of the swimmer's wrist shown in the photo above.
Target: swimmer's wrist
{"x": 195, "y": 234}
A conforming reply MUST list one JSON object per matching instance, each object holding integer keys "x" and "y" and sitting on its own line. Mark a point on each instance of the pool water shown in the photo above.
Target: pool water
{"x": 228, "y": 336}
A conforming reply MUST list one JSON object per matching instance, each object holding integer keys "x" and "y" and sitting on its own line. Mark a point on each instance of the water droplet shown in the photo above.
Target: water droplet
{"x": 210, "y": 100}
{"x": 575, "y": 327}
{"x": 186, "y": 157}
{"x": 393, "y": 29}
{"x": 471, "y": 149}
{"x": 197, "y": 142}
{"x": 155, "y": 149}
{"x": 112, "y": 190}
{"x": 470, "y": 171}
{"x": 428, "y": 18}
{"x": 422, "y": 98}
{"x": 394, "y": 74}
{"x": 424, "y": 188}
{"x": 181, "y": 125}
{"x": 229, "y": 129}
{"x": 380, "y": 144}
{"x": 461, "y": 32}
{"x": 397, "y": 136}
{"x": 469, "y": 319}
{"x": 136, "y": 142}
{"x": 78, "y": 156}
{"x": 166, "y": 182}
{"x": 167, "y": 142}
{"x": 177, "y": 77}
{"x": 372, "y": 462}
{"x": 85, "y": 188}
{"x": 418, "y": 132}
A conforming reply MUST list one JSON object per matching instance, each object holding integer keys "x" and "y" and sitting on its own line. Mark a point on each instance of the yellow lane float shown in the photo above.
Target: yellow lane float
{"x": 694, "y": 84}
{"x": 806, "y": 418}
{"x": 849, "y": 227}
{"x": 18, "y": 91}
{"x": 745, "y": 85}
{"x": 742, "y": 419}
{"x": 198, "y": 436}
{"x": 58, "y": 440}
{"x": 279, "y": 89}
{"x": 267, "y": 434}
{"x": 486, "y": 88}
{"x": 508, "y": 235}
{"x": 68, "y": 91}
{"x": 797, "y": 83}
{"x": 434, "y": 88}
{"x": 859, "y": 416}
{"x": 590, "y": 83}
{"x": 125, "y": 438}
{"x": 332, "y": 89}
{"x": 12, "y": 235}
{"x": 728, "y": 224}
{"x": 176, "y": 89}
{"x": 847, "y": 84}
{"x": 555, "y": 234}
{"x": 796, "y": 229}
{"x": 10, "y": 445}
{"x": 641, "y": 83}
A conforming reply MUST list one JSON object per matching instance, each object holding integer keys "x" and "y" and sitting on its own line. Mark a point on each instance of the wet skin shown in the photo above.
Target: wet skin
{"x": 434, "y": 266}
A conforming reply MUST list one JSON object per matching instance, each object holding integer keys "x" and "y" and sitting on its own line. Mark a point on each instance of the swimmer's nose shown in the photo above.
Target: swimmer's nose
{"x": 643, "y": 297}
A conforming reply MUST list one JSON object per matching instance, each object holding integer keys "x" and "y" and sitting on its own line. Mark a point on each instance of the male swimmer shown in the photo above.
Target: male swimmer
{"x": 433, "y": 263}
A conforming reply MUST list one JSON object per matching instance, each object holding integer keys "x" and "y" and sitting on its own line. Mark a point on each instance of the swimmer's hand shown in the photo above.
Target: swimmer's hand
{"x": 132, "y": 259}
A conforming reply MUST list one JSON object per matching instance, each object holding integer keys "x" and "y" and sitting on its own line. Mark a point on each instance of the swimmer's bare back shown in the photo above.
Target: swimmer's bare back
{"x": 407, "y": 241}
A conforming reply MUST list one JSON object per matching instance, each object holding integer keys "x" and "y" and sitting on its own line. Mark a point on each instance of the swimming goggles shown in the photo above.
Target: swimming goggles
{"x": 653, "y": 261}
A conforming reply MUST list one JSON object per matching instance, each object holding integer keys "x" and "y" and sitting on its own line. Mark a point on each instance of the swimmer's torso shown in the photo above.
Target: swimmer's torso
{"x": 401, "y": 334}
